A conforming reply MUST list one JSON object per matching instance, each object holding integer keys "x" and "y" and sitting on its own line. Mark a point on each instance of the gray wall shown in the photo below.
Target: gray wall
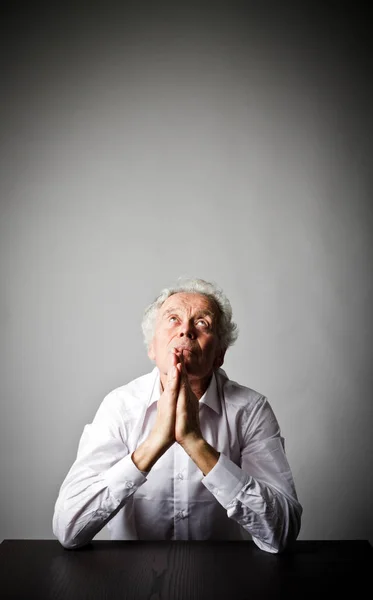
{"x": 223, "y": 143}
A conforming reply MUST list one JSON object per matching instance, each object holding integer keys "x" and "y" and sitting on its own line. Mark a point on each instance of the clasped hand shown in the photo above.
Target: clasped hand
{"x": 178, "y": 407}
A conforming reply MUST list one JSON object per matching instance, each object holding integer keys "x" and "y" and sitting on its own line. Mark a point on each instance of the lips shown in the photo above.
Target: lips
{"x": 183, "y": 348}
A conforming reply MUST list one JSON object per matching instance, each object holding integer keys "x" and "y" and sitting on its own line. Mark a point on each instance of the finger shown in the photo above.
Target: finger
{"x": 179, "y": 364}
{"x": 173, "y": 358}
{"x": 182, "y": 392}
{"x": 183, "y": 371}
{"x": 173, "y": 361}
{"x": 172, "y": 373}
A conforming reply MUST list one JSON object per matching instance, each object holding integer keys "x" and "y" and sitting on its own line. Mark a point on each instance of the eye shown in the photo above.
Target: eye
{"x": 204, "y": 323}
{"x": 172, "y": 319}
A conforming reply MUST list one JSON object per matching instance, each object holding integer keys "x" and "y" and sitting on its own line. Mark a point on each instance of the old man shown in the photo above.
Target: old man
{"x": 183, "y": 452}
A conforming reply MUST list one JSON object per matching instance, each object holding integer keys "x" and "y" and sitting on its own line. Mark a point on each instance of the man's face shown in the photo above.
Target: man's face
{"x": 188, "y": 322}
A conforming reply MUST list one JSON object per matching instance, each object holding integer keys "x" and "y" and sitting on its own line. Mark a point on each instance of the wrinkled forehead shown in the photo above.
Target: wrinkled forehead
{"x": 190, "y": 302}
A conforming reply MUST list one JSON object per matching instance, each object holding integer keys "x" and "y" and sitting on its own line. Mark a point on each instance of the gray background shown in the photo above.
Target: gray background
{"x": 211, "y": 140}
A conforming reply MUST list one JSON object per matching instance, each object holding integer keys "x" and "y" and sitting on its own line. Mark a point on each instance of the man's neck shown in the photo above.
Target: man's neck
{"x": 199, "y": 386}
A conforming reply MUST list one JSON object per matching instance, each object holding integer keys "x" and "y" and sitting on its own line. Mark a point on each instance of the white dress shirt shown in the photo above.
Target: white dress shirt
{"x": 250, "y": 489}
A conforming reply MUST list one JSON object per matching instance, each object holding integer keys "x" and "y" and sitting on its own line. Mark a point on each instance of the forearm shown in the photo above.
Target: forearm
{"x": 147, "y": 454}
{"x": 201, "y": 453}
{"x": 270, "y": 514}
{"x": 89, "y": 499}
{"x": 77, "y": 514}
{"x": 272, "y": 519}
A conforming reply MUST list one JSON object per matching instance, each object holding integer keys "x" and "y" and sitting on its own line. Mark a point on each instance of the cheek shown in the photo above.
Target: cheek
{"x": 162, "y": 340}
{"x": 210, "y": 348}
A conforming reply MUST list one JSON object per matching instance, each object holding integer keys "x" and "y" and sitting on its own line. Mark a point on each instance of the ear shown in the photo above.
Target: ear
{"x": 151, "y": 352}
{"x": 219, "y": 358}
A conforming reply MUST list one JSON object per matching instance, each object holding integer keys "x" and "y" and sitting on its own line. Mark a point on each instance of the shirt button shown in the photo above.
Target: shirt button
{"x": 129, "y": 484}
{"x": 180, "y": 476}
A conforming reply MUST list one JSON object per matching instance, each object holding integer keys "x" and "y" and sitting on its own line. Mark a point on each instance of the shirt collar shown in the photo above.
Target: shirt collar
{"x": 210, "y": 397}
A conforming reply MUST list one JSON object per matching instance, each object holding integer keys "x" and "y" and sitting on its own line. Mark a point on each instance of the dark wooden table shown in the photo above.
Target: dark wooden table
{"x": 43, "y": 570}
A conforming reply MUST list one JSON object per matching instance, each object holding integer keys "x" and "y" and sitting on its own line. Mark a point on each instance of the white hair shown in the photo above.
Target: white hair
{"x": 226, "y": 328}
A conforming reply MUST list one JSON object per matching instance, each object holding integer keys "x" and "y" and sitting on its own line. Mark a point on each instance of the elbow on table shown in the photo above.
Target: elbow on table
{"x": 69, "y": 538}
{"x": 290, "y": 533}
{"x": 71, "y": 543}
{"x": 275, "y": 546}
{"x": 283, "y": 536}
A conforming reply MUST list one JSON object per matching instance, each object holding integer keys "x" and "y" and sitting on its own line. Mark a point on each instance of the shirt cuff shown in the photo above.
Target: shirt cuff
{"x": 124, "y": 478}
{"x": 225, "y": 480}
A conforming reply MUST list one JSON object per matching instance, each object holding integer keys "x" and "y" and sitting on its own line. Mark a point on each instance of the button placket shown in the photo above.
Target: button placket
{"x": 181, "y": 493}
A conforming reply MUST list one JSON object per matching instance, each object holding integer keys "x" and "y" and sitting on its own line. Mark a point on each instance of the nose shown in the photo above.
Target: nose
{"x": 187, "y": 330}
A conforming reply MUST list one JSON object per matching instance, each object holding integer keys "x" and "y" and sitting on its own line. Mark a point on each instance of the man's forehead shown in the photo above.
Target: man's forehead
{"x": 189, "y": 300}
